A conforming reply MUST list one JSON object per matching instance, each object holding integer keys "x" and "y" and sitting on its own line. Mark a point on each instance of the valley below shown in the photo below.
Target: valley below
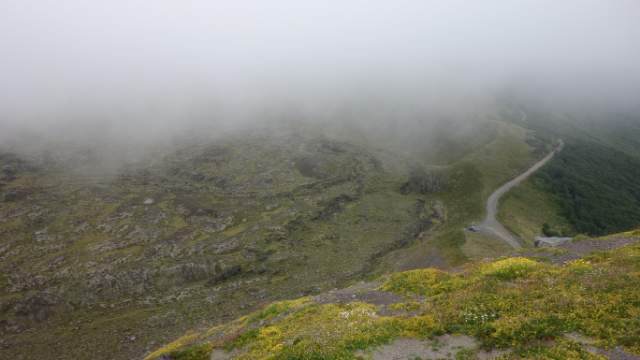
{"x": 113, "y": 264}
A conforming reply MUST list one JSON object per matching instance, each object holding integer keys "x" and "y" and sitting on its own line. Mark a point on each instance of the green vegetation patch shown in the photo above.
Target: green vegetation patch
{"x": 529, "y": 210}
{"x": 517, "y": 304}
{"x": 510, "y": 268}
{"x": 424, "y": 282}
{"x": 596, "y": 187}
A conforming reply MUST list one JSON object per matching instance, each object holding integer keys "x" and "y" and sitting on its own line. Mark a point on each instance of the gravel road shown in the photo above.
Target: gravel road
{"x": 490, "y": 225}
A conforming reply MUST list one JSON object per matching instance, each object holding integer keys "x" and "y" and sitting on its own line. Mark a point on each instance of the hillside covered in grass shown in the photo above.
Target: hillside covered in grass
{"x": 590, "y": 187}
{"x": 578, "y": 301}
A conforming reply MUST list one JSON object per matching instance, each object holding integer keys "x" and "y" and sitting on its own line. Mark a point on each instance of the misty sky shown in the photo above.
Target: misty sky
{"x": 165, "y": 63}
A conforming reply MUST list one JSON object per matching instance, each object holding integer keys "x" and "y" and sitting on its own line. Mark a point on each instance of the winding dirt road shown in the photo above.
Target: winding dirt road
{"x": 490, "y": 225}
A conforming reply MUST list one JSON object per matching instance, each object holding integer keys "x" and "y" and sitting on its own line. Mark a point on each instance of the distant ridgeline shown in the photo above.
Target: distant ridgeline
{"x": 596, "y": 178}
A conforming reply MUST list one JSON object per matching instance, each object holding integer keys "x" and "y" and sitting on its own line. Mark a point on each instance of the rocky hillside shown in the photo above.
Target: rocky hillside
{"x": 579, "y": 301}
{"x": 107, "y": 265}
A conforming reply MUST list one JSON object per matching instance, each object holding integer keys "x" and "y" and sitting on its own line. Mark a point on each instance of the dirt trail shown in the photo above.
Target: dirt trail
{"x": 490, "y": 225}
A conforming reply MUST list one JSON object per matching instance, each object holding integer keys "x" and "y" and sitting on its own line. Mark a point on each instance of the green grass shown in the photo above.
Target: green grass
{"x": 479, "y": 174}
{"x": 425, "y": 282}
{"x": 518, "y": 304}
{"x": 525, "y": 209}
{"x": 505, "y": 157}
{"x": 478, "y": 246}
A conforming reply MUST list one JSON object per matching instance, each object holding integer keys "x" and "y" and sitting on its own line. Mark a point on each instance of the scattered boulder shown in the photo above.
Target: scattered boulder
{"x": 14, "y": 195}
{"x": 310, "y": 167}
{"x": 37, "y": 308}
{"x": 193, "y": 272}
{"x": 225, "y": 274}
{"x": 195, "y": 176}
{"x": 8, "y": 173}
{"x": 543, "y": 241}
{"x": 333, "y": 206}
{"x": 423, "y": 182}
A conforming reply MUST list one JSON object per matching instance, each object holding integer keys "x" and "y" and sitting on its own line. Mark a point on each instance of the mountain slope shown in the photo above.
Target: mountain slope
{"x": 107, "y": 265}
{"x": 589, "y": 188}
{"x": 210, "y": 229}
{"x": 574, "y": 302}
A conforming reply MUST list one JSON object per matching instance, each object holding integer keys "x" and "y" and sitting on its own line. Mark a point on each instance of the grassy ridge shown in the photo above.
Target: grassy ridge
{"x": 519, "y": 304}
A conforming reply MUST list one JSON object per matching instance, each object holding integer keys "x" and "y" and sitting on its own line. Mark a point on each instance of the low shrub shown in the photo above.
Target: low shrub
{"x": 509, "y": 269}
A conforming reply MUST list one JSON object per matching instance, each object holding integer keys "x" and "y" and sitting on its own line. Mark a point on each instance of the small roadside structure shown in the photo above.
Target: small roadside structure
{"x": 543, "y": 241}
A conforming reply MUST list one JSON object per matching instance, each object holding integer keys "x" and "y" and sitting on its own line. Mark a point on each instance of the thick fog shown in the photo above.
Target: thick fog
{"x": 130, "y": 69}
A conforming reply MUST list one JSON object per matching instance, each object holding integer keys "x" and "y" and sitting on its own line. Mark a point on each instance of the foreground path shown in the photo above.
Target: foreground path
{"x": 490, "y": 225}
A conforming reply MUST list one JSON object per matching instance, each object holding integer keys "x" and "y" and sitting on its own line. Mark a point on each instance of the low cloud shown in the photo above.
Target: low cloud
{"x": 135, "y": 70}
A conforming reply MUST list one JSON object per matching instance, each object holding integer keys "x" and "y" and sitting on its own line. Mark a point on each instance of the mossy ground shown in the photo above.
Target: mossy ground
{"x": 519, "y": 304}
